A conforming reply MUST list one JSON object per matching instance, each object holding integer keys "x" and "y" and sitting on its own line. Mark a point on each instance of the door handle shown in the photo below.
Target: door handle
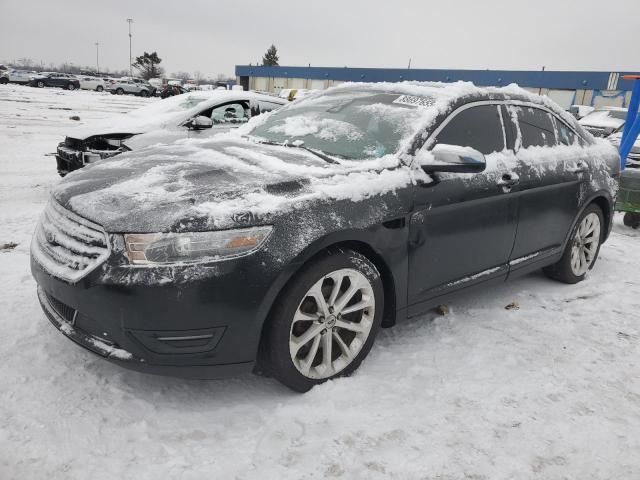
{"x": 508, "y": 180}
{"x": 581, "y": 167}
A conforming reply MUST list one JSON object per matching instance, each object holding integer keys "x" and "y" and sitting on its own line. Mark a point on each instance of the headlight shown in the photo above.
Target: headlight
{"x": 162, "y": 248}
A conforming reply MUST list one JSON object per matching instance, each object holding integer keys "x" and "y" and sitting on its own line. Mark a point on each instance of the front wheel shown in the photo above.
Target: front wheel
{"x": 582, "y": 248}
{"x": 144, "y": 93}
{"x": 40, "y": 84}
{"x": 71, "y": 86}
{"x": 326, "y": 321}
{"x": 119, "y": 91}
{"x": 99, "y": 88}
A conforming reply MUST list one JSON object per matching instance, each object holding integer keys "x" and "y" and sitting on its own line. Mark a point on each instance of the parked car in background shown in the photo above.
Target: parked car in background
{"x": 55, "y": 79}
{"x": 22, "y": 77}
{"x": 132, "y": 87}
{"x": 172, "y": 90}
{"x": 285, "y": 251}
{"x": 92, "y": 83}
{"x": 195, "y": 114}
{"x": 603, "y": 121}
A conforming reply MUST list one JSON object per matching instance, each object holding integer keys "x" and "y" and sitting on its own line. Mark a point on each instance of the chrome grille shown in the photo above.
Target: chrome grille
{"x": 68, "y": 246}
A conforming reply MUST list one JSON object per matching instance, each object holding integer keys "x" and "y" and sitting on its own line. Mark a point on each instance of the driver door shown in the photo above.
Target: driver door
{"x": 463, "y": 226}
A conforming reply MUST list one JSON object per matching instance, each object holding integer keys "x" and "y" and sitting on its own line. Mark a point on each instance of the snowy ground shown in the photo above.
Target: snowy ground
{"x": 549, "y": 390}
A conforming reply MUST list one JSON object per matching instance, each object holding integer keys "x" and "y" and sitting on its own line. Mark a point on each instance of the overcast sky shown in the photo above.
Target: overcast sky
{"x": 213, "y": 36}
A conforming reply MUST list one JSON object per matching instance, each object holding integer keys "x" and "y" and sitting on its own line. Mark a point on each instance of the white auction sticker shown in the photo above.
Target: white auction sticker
{"x": 415, "y": 101}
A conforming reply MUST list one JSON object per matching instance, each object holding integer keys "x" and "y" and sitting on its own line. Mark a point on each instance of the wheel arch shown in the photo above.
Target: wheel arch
{"x": 603, "y": 200}
{"x": 606, "y": 205}
{"x": 325, "y": 246}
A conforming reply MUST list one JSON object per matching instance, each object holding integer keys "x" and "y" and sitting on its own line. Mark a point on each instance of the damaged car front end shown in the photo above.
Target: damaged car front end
{"x": 74, "y": 153}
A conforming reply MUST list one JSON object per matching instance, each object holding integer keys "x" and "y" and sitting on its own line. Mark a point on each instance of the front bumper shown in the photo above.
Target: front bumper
{"x": 207, "y": 327}
{"x": 69, "y": 159}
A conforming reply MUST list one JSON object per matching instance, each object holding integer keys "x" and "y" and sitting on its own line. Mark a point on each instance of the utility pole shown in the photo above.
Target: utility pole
{"x": 130, "y": 21}
{"x": 97, "y": 58}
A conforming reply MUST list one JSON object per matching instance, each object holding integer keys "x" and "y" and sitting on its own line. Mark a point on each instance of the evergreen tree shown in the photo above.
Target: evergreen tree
{"x": 270, "y": 58}
{"x": 147, "y": 64}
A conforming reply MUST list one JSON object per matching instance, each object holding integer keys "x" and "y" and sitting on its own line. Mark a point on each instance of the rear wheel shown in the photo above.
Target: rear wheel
{"x": 40, "y": 84}
{"x": 582, "y": 248}
{"x": 71, "y": 86}
{"x": 631, "y": 219}
{"x": 99, "y": 88}
{"x": 326, "y": 321}
{"x": 119, "y": 91}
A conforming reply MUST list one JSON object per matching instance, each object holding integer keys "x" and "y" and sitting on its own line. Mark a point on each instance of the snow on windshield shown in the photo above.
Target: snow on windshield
{"x": 367, "y": 124}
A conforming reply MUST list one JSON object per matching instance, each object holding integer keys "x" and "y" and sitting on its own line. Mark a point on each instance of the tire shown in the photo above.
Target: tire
{"x": 582, "y": 249}
{"x": 40, "y": 84}
{"x": 119, "y": 91}
{"x": 71, "y": 86}
{"x": 99, "y": 88}
{"x": 144, "y": 93}
{"x": 4, "y": 81}
{"x": 632, "y": 220}
{"x": 298, "y": 312}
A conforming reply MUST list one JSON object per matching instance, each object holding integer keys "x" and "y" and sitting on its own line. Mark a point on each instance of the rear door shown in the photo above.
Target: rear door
{"x": 550, "y": 171}
{"x": 463, "y": 225}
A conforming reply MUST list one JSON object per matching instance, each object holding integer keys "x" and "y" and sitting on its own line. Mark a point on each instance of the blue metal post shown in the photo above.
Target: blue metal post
{"x": 628, "y": 139}
{"x": 631, "y": 126}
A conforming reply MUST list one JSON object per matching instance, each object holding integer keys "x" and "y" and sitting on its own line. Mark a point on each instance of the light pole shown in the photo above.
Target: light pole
{"x": 97, "y": 58}
{"x": 130, "y": 21}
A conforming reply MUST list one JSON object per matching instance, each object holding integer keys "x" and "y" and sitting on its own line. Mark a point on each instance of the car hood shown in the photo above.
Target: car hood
{"x": 172, "y": 134}
{"x": 127, "y": 124}
{"x": 214, "y": 183}
{"x": 600, "y": 121}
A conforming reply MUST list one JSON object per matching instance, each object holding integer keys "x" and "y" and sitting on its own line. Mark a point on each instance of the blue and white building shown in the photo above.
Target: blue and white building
{"x": 566, "y": 88}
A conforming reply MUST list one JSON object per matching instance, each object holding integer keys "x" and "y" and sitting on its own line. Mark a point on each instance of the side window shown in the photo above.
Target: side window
{"x": 565, "y": 134}
{"x": 536, "y": 127}
{"x": 230, "y": 113}
{"x": 476, "y": 127}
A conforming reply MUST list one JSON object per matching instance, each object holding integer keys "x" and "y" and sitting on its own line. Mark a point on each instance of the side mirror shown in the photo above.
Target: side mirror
{"x": 453, "y": 158}
{"x": 199, "y": 123}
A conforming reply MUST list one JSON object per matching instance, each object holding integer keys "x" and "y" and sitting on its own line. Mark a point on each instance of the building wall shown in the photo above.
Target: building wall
{"x": 565, "y": 88}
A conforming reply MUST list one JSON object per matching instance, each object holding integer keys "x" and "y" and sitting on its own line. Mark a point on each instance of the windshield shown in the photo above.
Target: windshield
{"x": 353, "y": 125}
{"x": 175, "y": 104}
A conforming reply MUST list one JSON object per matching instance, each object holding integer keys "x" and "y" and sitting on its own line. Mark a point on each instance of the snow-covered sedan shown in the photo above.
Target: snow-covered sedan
{"x": 285, "y": 251}
{"x": 193, "y": 115}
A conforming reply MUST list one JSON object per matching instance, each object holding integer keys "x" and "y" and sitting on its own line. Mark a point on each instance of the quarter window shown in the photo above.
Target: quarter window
{"x": 476, "y": 127}
{"x": 536, "y": 127}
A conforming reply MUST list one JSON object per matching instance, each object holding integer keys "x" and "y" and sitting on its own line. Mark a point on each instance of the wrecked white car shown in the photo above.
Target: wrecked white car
{"x": 195, "y": 114}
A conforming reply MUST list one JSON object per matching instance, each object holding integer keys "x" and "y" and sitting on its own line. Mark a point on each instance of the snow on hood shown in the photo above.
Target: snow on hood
{"x": 205, "y": 184}
{"x": 601, "y": 119}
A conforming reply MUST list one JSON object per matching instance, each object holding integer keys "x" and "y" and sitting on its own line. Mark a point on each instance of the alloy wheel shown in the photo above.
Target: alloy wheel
{"x": 332, "y": 323}
{"x": 585, "y": 244}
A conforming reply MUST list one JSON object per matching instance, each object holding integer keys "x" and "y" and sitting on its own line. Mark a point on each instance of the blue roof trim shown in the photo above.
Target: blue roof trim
{"x": 532, "y": 79}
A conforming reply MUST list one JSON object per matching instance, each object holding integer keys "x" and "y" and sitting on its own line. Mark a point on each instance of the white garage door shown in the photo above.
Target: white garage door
{"x": 564, "y": 98}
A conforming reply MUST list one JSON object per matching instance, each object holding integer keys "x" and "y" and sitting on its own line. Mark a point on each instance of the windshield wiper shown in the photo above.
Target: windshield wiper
{"x": 296, "y": 144}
